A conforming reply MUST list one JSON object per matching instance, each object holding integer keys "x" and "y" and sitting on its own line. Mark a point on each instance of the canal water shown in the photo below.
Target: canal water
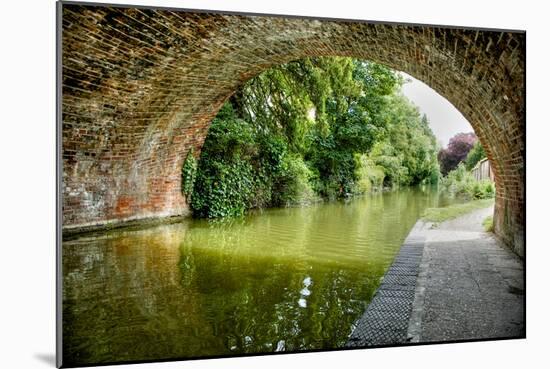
{"x": 275, "y": 280}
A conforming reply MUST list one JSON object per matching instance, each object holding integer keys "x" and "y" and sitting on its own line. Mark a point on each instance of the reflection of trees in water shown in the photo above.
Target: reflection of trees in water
{"x": 288, "y": 279}
{"x": 123, "y": 300}
{"x": 256, "y": 308}
{"x": 267, "y": 300}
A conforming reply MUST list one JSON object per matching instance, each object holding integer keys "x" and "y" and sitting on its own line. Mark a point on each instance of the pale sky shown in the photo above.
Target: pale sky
{"x": 445, "y": 120}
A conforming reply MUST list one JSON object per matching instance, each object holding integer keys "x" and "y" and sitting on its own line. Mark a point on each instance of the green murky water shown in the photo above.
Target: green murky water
{"x": 279, "y": 279}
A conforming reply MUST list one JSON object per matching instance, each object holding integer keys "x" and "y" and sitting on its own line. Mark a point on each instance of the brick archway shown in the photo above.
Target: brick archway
{"x": 140, "y": 87}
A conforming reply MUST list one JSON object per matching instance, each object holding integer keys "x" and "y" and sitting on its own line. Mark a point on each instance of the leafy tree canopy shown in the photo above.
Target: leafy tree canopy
{"x": 309, "y": 129}
{"x": 458, "y": 148}
{"x": 474, "y": 156}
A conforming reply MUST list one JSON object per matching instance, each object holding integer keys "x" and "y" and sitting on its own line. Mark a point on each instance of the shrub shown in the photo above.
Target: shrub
{"x": 481, "y": 189}
{"x": 242, "y": 169}
{"x": 334, "y": 168}
{"x": 222, "y": 189}
{"x": 370, "y": 177}
{"x": 188, "y": 174}
{"x": 474, "y": 156}
{"x": 292, "y": 186}
{"x": 458, "y": 148}
{"x": 225, "y": 179}
{"x": 461, "y": 183}
{"x": 488, "y": 224}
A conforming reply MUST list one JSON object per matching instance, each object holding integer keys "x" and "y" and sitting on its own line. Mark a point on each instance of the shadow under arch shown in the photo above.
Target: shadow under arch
{"x": 140, "y": 87}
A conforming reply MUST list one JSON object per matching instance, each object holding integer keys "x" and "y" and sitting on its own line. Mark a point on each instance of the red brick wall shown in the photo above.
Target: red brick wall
{"x": 140, "y": 88}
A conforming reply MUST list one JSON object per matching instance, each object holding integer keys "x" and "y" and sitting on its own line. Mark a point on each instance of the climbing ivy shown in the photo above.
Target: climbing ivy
{"x": 188, "y": 174}
{"x": 242, "y": 168}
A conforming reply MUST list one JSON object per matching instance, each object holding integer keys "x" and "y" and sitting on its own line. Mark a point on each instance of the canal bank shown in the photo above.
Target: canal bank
{"x": 466, "y": 286}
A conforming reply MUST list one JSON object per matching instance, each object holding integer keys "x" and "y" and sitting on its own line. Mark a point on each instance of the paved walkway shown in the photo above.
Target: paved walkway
{"x": 467, "y": 287}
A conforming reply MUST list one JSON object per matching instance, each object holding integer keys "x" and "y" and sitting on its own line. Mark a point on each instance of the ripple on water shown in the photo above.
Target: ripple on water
{"x": 277, "y": 280}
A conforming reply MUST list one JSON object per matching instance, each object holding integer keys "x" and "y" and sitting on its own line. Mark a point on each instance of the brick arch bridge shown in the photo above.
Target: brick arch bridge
{"x": 140, "y": 87}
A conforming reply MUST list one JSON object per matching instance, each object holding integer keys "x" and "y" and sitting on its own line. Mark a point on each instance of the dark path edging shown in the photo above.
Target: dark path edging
{"x": 386, "y": 319}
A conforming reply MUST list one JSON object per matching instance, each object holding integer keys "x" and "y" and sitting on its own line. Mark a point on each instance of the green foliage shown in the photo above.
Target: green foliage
{"x": 282, "y": 99}
{"x": 386, "y": 157}
{"x": 335, "y": 170}
{"x": 370, "y": 177}
{"x": 474, "y": 156}
{"x": 317, "y": 127}
{"x": 225, "y": 176}
{"x": 438, "y": 215}
{"x": 356, "y": 122}
{"x": 241, "y": 168}
{"x": 188, "y": 174}
{"x": 482, "y": 190}
{"x": 292, "y": 184}
{"x": 461, "y": 183}
{"x": 224, "y": 189}
{"x": 488, "y": 224}
{"x": 408, "y": 151}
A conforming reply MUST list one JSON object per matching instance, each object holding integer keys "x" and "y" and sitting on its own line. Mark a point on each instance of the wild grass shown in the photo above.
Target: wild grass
{"x": 488, "y": 224}
{"x": 462, "y": 184}
{"x": 438, "y": 215}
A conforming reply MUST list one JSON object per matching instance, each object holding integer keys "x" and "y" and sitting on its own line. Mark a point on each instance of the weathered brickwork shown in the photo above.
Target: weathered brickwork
{"x": 141, "y": 86}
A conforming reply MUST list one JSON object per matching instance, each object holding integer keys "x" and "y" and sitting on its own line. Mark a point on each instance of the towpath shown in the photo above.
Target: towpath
{"x": 450, "y": 282}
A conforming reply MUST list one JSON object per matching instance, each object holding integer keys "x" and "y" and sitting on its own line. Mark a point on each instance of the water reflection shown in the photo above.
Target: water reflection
{"x": 279, "y": 279}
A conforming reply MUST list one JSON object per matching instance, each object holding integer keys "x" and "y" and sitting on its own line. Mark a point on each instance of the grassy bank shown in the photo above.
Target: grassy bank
{"x": 438, "y": 215}
{"x": 488, "y": 224}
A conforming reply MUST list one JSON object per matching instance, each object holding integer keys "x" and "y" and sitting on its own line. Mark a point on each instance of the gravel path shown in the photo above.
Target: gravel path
{"x": 469, "y": 286}
{"x": 470, "y": 222}
{"x": 452, "y": 282}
